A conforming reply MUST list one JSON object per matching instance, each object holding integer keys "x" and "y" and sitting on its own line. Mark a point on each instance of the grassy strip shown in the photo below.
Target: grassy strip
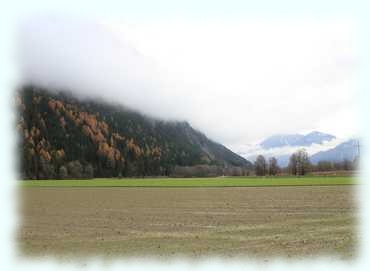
{"x": 193, "y": 182}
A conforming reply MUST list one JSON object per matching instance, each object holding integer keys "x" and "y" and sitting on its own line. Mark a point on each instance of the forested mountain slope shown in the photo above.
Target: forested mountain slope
{"x": 64, "y": 137}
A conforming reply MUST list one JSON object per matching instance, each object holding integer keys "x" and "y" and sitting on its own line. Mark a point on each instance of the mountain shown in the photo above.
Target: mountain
{"x": 282, "y": 146}
{"x": 278, "y": 141}
{"x": 347, "y": 150}
{"x": 64, "y": 137}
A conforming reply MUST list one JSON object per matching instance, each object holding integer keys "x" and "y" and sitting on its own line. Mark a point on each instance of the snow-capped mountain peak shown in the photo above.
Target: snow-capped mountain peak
{"x": 314, "y": 137}
{"x": 318, "y": 145}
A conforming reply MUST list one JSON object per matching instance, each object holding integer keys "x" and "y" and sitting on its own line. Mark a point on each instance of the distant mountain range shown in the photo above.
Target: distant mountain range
{"x": 347, "y": 150}
{"x": 296, "y": 140}
{"x": 320, "y": 146}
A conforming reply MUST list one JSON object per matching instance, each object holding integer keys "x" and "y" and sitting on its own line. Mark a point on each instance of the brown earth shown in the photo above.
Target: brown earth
{"x": 262, "y": 222}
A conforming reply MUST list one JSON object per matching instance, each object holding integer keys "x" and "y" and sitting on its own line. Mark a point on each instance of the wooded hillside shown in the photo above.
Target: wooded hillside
{"x": 64, "y": 137}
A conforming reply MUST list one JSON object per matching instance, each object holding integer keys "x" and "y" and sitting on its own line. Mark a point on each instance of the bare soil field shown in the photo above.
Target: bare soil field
{"x": 255, "y": 222}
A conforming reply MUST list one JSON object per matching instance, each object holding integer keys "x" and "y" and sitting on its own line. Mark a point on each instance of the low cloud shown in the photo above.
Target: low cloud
{"x": 86, "y": 58}
{"x": 252, "y": 151}
{"x": 237, "y": 81}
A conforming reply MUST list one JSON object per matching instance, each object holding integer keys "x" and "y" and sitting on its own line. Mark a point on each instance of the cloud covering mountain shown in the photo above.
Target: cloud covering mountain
{"x": 320, "y": 146}
{"x": 212, "y": 74}
{"x": 296, "y": 140}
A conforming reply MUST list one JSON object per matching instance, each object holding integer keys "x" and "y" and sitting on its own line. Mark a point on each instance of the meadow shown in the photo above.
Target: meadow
{"x": 195, "y": 182}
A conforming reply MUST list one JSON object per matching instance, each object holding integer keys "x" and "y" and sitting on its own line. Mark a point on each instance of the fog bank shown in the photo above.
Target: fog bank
{"x": 236, "y": 81}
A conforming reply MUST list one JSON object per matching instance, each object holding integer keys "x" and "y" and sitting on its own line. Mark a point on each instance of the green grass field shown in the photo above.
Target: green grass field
{"x": 194, "y": 182}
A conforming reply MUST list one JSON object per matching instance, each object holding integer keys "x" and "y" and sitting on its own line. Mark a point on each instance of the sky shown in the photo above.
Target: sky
{"x": 237, "y": 80}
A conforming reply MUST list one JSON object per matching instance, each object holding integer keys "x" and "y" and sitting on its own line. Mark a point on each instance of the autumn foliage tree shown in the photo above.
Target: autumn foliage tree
{"x": 63, "y": 137}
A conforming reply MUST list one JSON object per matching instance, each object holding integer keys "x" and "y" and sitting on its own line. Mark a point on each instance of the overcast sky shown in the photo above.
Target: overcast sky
{"x": 238, "y": 81}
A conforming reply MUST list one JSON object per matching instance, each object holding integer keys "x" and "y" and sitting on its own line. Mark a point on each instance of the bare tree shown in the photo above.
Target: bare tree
{"x": 260, "y": 166}
{"x": 63, "y": 173}
{"x": 324, "y": 166}
{"x": 75, "y": 169}
{"x": 273, "y": 167}
{"x": 88, "y": 171}
{"x": 299, "y": 163}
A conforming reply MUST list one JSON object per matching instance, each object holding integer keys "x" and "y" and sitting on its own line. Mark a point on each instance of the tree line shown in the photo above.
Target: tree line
{"x": 299, "y": 165}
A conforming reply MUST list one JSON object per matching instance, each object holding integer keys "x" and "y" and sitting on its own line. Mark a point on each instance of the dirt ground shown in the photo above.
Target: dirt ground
{"x": 255, "y": 222}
